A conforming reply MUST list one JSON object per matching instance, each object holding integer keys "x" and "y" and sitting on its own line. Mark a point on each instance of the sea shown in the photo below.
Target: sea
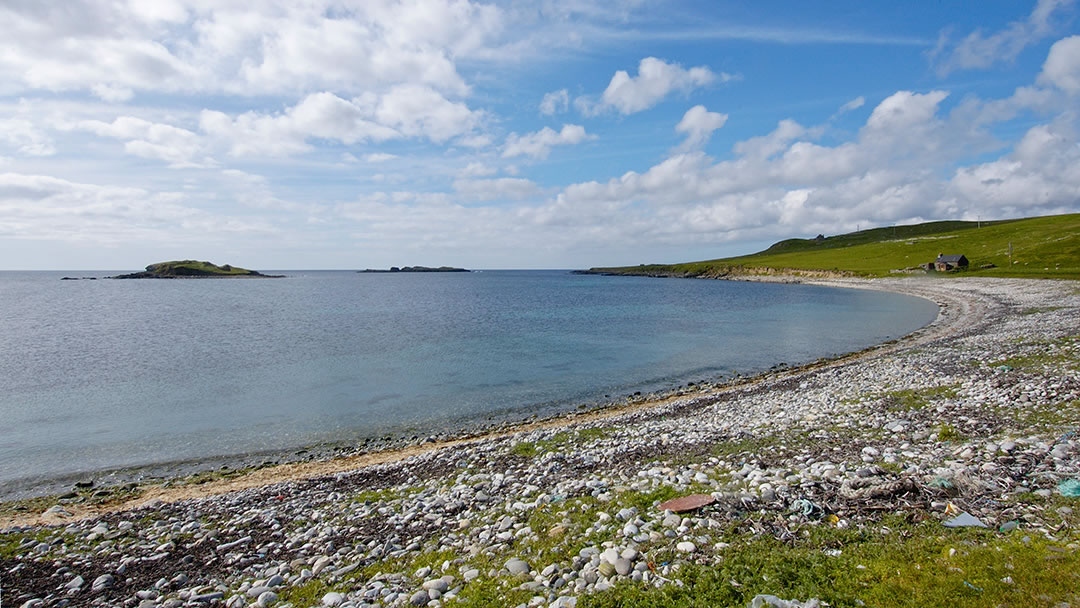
{"x": 103, "y": 375}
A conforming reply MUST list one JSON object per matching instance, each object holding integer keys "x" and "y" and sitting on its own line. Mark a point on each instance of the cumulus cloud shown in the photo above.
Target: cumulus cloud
{"x": 25, "y": 138}
{"x": 379, "y": 157}
{"x": 178, "y": 147}
{"x": 980, "y": 50}
{"x": 554, "y": 102}
{"x": 503, "y": 188}
{"x": 115, "y": 49}
{"x": 698, "y": 124}
{"x": 538, "y": 144}
{"x": 654, "y": 81}
{"x": 406, "y": 111}
{"x": 785, "y": 183}
{"x": 1062, "y": 66}
{"x": 477, "y": 169}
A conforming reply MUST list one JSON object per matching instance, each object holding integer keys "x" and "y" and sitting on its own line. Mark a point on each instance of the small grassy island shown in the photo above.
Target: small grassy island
{"x": 417, "y": 269}
{"x": 192, "y": 269}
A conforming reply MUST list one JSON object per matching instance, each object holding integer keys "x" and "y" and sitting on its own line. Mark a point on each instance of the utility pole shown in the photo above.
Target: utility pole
{"x": 1010, "y": 253}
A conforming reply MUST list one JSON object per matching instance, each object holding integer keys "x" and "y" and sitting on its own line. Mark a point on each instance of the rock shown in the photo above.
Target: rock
{"x": 268, "y": 598}
{"x": 470, "y": 574}
{"x": 332, "y": 598}
{"x": 607, "y": 569}
{"x": 75, "y": 583}
{"x": 420, "y": 598}
{"x": 622, "y": 566}
{"x": 771, "y": 601}
{"x": 436, "y": 584}
{"x": 686, "y": 547}
{"x": 320, "y": 565}
{"x": 105, "y": 581}
{"x": 517, "y": 567}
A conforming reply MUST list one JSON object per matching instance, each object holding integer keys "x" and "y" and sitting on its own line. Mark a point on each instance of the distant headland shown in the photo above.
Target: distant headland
{"x": 418, "y": 269}
{"x": 192, "y": 269}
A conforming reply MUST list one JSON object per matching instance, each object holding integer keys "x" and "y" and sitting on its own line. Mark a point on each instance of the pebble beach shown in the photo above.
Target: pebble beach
{"x": 970, "y": 422}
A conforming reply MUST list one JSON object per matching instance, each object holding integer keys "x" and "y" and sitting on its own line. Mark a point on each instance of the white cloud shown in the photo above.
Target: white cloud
{"x": 113, "y": 93}
{"x": 25, "y": 138}
{"x": 48, "y": 208}
{"x": 852, "y": 105}
{"x": 406, "y": 111}
{"x": 656, "y": 78}
{"x": 978, "y": 50}
{"x": 1062, "y": 66}
{"x": 503, "y": 188}
{"x": 554, "y": 102}
{"x": 178, "y": 147}
{"x": 379, "y": 157}
{"x": 115, "y": 49}
{"x": 539, "y": 143}
{"x": 477, "y": 169}
{"x": 699, "y": 124}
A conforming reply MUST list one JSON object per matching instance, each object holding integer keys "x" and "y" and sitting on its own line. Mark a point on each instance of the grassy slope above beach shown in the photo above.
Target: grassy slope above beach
{"x": 1042, "y": 247}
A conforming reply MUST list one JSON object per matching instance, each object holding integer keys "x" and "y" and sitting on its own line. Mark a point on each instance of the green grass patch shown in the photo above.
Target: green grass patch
{"x": 1048, "y": 418}
{"x": 307, "y": 595}
{"x": 948, "y": 432}
{"x": 560, "y": 441}
{"x": 916, "y": 399}
{"x": 1059, "y": 354}
{"x": 911, "y": 566}
{"x": 1042, "y": 247}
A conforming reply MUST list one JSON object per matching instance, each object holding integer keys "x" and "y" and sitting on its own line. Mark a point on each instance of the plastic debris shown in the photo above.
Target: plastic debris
{"x": 832, "y": 519}
{"x": 771, "y": 601}
{"x": 1009, "y": 526}
{"x": 1070, "y": 488}
{"x": 687, "y": 503}
{"x": 950, "y": 509}
{"x": 970, "y": 586}
{"x": 1005, "y": 368}
{"x": 942, "y": 483}
{"x": 964, "y": 520}
{"x": 806, "y": 508}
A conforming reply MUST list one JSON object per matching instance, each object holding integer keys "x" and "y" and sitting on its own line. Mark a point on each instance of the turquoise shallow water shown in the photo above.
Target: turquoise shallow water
{"x": 103, "y": 374}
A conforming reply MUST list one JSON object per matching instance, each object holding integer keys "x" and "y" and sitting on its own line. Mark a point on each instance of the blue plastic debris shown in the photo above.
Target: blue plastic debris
{"x": 1070, "y": 488}
{"x": 964, "y": 520}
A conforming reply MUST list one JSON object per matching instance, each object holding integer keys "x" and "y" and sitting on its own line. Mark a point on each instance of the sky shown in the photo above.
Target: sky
{"x": 311, "y": 134}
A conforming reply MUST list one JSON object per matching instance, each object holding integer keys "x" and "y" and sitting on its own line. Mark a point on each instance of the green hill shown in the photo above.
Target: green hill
{"x": 1042, "y": 247}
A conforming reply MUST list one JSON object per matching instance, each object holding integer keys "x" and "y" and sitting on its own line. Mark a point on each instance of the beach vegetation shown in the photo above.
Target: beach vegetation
{"x": 948, "y": 432}
{"x": 894, "y": 563}
{"x": 907, "y": 400}
{"x": 306, "y": 595}
{"x": 560, "y": 441}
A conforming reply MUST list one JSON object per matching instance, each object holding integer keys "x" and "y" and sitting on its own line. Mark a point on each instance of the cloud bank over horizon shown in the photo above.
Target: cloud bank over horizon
{"x": 492, "y": 135}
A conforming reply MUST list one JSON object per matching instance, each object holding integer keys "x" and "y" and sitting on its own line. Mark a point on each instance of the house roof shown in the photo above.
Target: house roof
{"x": 950, "y": 259}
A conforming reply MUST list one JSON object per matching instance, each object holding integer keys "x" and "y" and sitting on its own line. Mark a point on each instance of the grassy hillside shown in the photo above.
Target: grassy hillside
{"x": 196, "y": 268}
{"x": 1042, "y": 247}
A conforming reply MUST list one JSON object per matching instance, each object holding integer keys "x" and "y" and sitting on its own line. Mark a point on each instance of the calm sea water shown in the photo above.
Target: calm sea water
{"x": 103, "y": 374}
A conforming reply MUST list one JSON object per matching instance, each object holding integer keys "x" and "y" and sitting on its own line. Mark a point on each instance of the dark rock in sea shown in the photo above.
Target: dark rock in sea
{"x": 417, "y": 269}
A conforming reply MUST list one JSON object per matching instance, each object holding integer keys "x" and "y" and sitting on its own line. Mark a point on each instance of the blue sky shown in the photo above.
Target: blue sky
{"x": 556, "y": 134}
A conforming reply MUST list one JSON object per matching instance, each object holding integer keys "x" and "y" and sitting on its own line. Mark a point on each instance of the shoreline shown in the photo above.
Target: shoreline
{"x": 165, "y": 481}
{"x": 832, "y": 476}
